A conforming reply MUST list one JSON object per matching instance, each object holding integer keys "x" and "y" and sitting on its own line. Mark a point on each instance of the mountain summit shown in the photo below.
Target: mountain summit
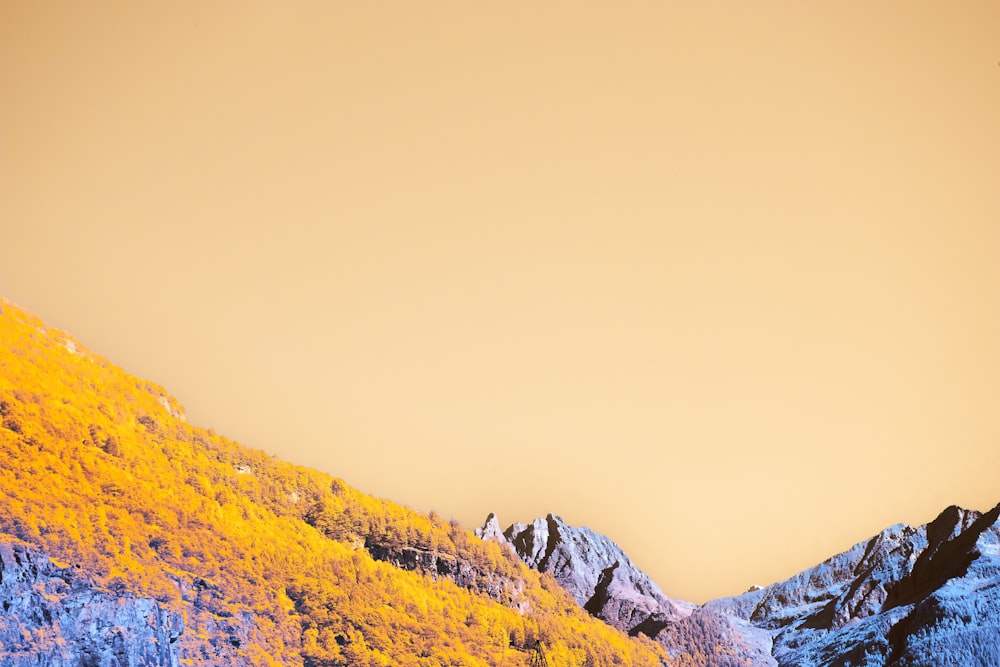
{"x": 607, "y": 584}
{"x": 593, "y": 569}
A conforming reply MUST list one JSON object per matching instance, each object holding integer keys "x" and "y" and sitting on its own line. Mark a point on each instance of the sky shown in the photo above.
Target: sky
{"x": 720, "y": 280}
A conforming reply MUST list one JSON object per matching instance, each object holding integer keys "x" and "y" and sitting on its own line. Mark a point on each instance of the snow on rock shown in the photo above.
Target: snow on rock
{"x": 596, "y": 572}
{"x": 909, "y": 596}
{"x": 490, "y": 530}
{"x": 605, "y": 582}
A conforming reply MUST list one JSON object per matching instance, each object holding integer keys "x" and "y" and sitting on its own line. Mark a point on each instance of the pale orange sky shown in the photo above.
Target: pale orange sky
{"x": 718, "y": 279}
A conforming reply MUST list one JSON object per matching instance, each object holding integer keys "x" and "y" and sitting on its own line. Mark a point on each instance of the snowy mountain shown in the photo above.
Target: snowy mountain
{"x": 130, "y": 537}
{"x": 907, "y": 597}
{"x": 606, "y": 583}
{"x": 595, "y": 571}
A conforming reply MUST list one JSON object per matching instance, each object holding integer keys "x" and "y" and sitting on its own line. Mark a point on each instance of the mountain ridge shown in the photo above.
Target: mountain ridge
{"x": 880, "y": 603}
{"x": 267, "y": 562}
{"x": 589, "y": 565}
{"x": 248, "y": 560}
{"x": 867, "y": 602}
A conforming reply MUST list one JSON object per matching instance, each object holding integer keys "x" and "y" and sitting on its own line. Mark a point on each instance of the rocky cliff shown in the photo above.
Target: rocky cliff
{"x": 53, "y": 616}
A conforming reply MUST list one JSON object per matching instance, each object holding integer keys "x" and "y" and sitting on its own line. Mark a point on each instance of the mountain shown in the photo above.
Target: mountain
{"x": 131, "y": 537}
{"x": 593, "y": 569}
{"x": 907, "y": 597}
{"x": 607, "y": 584}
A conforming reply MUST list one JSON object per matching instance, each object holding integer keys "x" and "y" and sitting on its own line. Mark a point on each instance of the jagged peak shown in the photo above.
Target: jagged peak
{"x": 954, "y": 518}
{"x": 855, "y": 596}
{"x": 594, "y": 570}
{"x": 490, "y": 530}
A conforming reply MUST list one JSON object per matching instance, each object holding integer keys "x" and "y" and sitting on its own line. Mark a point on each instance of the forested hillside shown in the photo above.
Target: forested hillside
{"x": 268, "y": 563}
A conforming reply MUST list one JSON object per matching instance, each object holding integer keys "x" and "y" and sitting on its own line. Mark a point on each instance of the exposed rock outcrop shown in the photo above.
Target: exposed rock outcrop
{"x": 54, "y": 616}
{"x": 464, "y": 573}
{"x": 491, "y": 530}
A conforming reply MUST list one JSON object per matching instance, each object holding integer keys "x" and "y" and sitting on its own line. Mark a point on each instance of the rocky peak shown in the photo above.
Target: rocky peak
{"x": 907, "y": 592}
{"x": 951, "y": 547}
{"x": 593, "y": 569}
{"x": 490, "y": 530}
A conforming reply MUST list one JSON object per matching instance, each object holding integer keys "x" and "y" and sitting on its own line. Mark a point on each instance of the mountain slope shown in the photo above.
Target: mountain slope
{"x": 128, "y": 536}
{"x": 909, "y": 596}
{"x": 594, "y": 570}
{"x": 606, "y": 583}
{"x": 267, "y": 563}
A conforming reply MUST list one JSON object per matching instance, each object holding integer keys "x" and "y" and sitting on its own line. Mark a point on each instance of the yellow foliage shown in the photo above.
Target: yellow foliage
{"x": 99, "y": 469}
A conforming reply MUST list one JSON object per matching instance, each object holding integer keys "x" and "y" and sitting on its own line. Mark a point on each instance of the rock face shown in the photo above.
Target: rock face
{"x": 462, "y": 572}
{"x": 54, "y": 617}
{"x": 594, "y": 570}
{"x": 490, "y": 530}
{"x": 604, "y": 581}
{"x": 909, "y": 596}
